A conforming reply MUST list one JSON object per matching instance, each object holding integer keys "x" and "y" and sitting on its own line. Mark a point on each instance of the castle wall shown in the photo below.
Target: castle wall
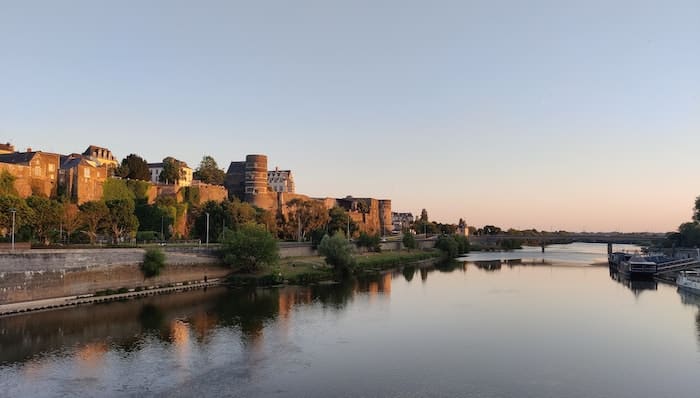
{"x": 22, "y": 176}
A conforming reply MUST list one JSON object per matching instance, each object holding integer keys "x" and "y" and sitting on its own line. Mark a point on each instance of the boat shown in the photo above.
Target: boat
{"x": 614, "y": 259}
{"x": 643, "y": 266}
{"x": 689, "y": 280}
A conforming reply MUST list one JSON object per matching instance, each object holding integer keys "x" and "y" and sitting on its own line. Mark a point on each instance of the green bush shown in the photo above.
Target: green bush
{"x": 371, "y": 242}
{"x": 448, "y": 245}
{"x": 338, "y": 253}
{"x": 409, "y": 241}
{"x": 248, "y": 247}
{"x": 143, "y": 236}
{"x": 462, "y": 244}
{"x": 153, "y": 262}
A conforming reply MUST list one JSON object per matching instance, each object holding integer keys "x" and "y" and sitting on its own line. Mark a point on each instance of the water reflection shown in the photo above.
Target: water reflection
{"x": 488, "y": 265}
{"x": 176, "y": 319}
{"x": 637, "y": 286}
{"x": 499, "y": 334}
{"x": 692, "y": 299}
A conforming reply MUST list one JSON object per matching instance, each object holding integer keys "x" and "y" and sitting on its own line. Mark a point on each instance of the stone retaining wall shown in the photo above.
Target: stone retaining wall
{"x": 42, "y": 274}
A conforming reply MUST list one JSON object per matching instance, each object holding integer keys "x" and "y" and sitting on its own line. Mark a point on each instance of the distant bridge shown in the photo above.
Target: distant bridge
{"x": 566, "y": 238}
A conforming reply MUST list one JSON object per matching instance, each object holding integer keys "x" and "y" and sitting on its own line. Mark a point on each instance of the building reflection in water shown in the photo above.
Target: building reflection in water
{"x": 184, "y": 321}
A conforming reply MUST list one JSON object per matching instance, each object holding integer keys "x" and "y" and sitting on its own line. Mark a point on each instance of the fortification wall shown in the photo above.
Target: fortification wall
{"x": 22, "y": 176}
{"x": 208, "y": 192}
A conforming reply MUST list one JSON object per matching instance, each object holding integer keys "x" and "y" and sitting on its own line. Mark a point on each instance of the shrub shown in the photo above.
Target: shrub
{"x": 462, "y": 244}
{"x": 338, "y": 253}
{"x": 142, "y": 236}
{"x": 448, "y": 245}
{"x": 248, "y": 247}
{"x": 409, "y": 241}
{"x": 371, "y": 242}
{"x": 153, "y": 262}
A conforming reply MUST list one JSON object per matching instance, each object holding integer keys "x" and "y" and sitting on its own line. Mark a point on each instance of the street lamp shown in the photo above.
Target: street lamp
{"x": 14, "y": 212}
{"x": 207, "y": 229}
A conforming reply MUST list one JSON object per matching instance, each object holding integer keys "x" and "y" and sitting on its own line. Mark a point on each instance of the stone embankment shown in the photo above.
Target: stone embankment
{"x": 43, "y": 274}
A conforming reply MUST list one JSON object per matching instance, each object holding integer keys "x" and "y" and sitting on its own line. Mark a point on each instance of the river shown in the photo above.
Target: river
{"x": 517, "y": 324}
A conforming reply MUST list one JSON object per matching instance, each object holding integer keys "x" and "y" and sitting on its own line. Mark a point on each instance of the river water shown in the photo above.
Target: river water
{"x": 518, "y": 324}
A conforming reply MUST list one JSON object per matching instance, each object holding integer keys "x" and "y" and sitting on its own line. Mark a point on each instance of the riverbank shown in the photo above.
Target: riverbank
{"x": 306, "y": 270}
{"x": 127, "y": 282}
{"x": 103, "y": 296}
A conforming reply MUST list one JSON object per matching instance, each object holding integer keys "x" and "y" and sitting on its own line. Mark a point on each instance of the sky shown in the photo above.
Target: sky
{"x": 573, "y": 115}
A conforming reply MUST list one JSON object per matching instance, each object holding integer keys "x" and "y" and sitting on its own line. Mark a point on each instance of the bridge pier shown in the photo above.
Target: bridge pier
{"x": 610, "y": 249}
{"x": 543, "y": 246}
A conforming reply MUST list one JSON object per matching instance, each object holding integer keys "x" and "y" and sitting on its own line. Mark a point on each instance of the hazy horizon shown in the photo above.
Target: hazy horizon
{"x": 547, "y": 115}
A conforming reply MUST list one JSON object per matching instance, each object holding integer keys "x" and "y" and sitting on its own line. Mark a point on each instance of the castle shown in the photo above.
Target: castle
{"x": 80, "y": 177}
{"x": 272, "y": 190}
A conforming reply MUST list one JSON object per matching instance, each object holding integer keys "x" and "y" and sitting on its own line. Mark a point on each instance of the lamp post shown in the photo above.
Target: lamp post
{"x": 207, "y": 229}
{"x": 14, "y": 212}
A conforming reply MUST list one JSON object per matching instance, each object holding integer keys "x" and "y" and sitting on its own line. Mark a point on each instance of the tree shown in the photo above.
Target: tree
{"x": 248, "y": 247}
{"x": 696, "y": 210}
{"x": 121, "y": 219}
{"x": 7, "y": 183}
{"x": 462, "y": 244}
{"x": 172, "y": 171}
{"x": 491, "y": 230}
{"x": 371, "y": 242}
{"x": 447, "y": 245}
{"x": 116, "y": 189}
{"x": 338, "y": 253}
{"x": 47, "y": 216}
{"x": 209, "y": 172}
{"x": 93, "y": 216}
{"x": 23, "y": 214}
{"x": 409, "y": 241}
{"x": 306, "y": 216}
{"x": 70, "y": 218}
{"x": 134, "y": 167}
{"x": 339, "y": 220}
{"x": 424, "y": 216}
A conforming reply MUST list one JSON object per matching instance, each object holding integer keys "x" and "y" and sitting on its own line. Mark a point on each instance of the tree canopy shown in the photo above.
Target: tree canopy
{"x": 209, "y": 172}
{"x": 249, "y": 247}
{"x": 172, "y": 171}
{"x": 134, "y": 167}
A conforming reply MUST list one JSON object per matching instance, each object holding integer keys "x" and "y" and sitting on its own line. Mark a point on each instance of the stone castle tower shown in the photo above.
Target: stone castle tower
{"x": 256, "y": 186}
{"x": 385, "y": 222}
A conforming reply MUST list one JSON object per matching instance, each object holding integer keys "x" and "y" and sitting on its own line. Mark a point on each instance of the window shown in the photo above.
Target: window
{"x": 52, "y": 168}
{"x": 86, "y": 173}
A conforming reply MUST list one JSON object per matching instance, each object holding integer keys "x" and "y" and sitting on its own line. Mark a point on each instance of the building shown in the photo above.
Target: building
{"x": 81, "y": 179}
{"x": 101, "y": 156}
{"x": 402, "y": 221}
{"x": 186, "y": 172}
{"x": 280, "y": 180}
{"x": 40, "y": 171}
{"x": 6, "y": 148}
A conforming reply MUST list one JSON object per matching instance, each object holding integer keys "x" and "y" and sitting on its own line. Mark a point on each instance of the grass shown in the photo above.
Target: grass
{"x": 385, "y": 260}
{"x": 305, "y": 270}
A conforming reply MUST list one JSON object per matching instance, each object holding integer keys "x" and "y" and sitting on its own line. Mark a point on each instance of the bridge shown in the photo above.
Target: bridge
{"x": 542, "y": 240}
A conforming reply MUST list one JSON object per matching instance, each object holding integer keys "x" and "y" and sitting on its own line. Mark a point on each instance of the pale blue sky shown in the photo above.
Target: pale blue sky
{"x": 581, "y": 115}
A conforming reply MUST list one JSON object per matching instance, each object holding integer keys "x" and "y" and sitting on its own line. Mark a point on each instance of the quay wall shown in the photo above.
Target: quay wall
{"x": 27, "y": 275}
{"x": 41, "y": 274}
